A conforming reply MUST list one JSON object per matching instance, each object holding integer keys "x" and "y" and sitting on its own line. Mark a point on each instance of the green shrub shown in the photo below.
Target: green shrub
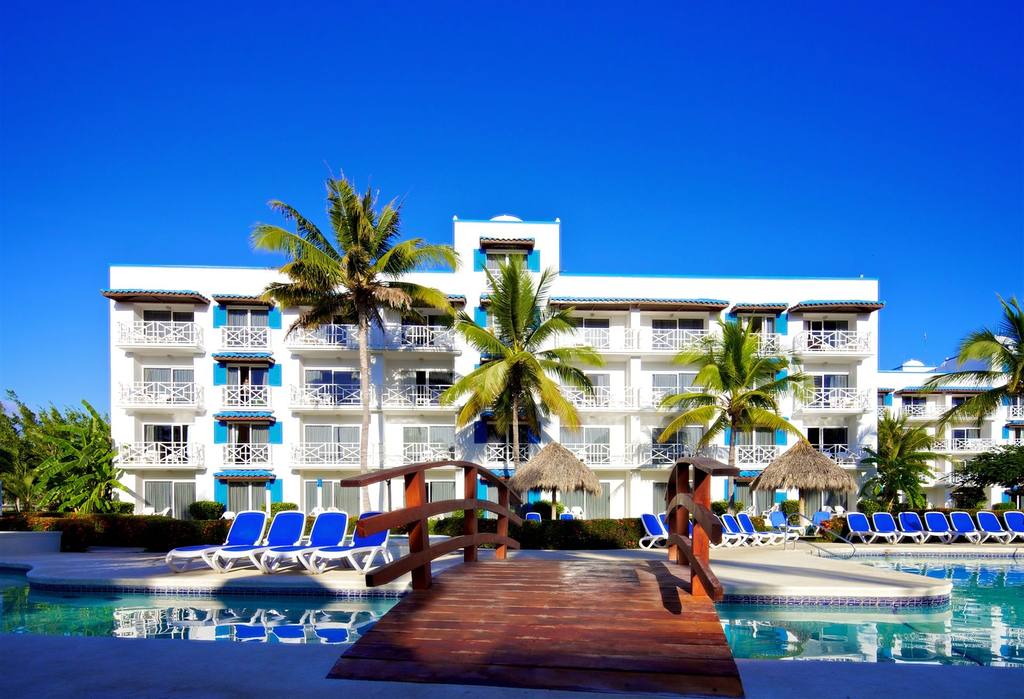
{"x": 759, "y": 523}
{"x": 836, "y": 524}
{"x": 206, "y": 509}
{"x": 276, "y": 507}
{"x": 1003, "y": 506}
{"x": 543, "y": 508}
{"x": 789, "y": 507}
{"x": 720, "y": 507}
{"x": 119, "y": 507}
{"x": 567, "y": 535}
{"x": 868, "y": 506}
{"x": 79, "y": 532}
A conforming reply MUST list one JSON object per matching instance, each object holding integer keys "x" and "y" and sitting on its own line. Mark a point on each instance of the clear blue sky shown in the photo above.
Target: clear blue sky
{"x": 832, "y": 139}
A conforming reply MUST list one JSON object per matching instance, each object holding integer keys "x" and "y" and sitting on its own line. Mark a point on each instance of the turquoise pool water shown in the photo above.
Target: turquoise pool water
{"x": 983, "y": 624}
{"x": 229, "y": 618}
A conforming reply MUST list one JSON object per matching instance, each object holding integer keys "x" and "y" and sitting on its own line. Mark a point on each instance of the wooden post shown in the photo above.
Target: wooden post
{"x": 502, "y": 551}
{"x": 681, "y": 519}
{"x": 416, "y": 495}
{"x": 701, "y": 544}
{"x": 469, "y": 521}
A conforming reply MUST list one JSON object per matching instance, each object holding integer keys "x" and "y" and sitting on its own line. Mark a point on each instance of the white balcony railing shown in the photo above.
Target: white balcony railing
{"x": 1015, "y": 412}
{"x": 246, "y": 396}
{"x": 849, "y": 341}
{"x": 769, "y": 343}
{"x": 840, "y": 453}
{"x": 495, "y": 453}
{"x": 176, "y": 394}
{"x": 414, "y": 452}
{"x": 882, "y": 410}
{"x": 160, "y": 454}
{"x": 659, "y": 454}
{"x": 246, "y": 454}
{"x": 332, "y": 336}
{"x": 312, "y": 453}
{"x": 420, "y": 337}
{"x": 755, "y": 454}
{"x": 326, "y": 396}
{"x": 600, "y": 397}
{"x": 245, "y": 337}
{"x": 590, "y": 453}
{"x": 966, "y": 444}
{"x": 414, "y": 396}
{"x": 159, "y": 333}
{"x": 836, "y": 399}
{"x": 925, "y": 411}
{"x": 670, "y": 340}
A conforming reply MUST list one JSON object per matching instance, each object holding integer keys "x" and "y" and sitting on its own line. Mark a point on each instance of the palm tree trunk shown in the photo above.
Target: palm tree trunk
{"x": 364, "y": 396}
{"x": 732, "y": 464}
{"x": 515, "y": 433}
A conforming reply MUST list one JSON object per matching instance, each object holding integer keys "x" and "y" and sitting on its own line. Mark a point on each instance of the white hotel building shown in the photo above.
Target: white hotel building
{"x": 212, "y": 399}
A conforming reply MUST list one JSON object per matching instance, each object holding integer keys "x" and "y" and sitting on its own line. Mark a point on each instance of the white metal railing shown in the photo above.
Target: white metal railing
{"x": 159, "y": 333}
{"x": 590, "y": 453}
{"x": 413, "y": 396}
{"x": 748, "y": 454}
{"x": 415, "y": 452}
{"x": 836, "y": 399}
{"x": 159, "y": 454}
{"x": 161, "y": 393}
{"x": 881, "y": 411}
{"x": 671, "y": 340}
{"x": 832, "y": 341}
{"x": 246, "y": 454}
{"x": 246, "y": 396}
{"x": 421, "y": 337}
{"x": 769, "y": 343}
{"x": 1015, "y": 412}
{"x": 496, "y": 453}
{"x": 325, "y": 453}
{"x": 599, "y": 338}
{"x": 245, "y": 336}
{"x": 966, "y": 444}
{"x": 659, "y": 454}
{"x": 332, "y": 335}
{"x": 330, "y": 395}
{"x": 840, "y": 453}
{"x": 920, "y": 411}
{"x": 600, "y": 397}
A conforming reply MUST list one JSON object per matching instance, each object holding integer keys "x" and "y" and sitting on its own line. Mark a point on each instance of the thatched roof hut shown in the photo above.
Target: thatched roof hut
{"x": 806, "y": 469}
{"x": 556, "y": 469}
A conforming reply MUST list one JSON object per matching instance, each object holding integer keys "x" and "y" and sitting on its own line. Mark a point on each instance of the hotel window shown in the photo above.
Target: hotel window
{"x": 169, "y": 442}
{"x": 244, "y": 495}
{"x": 760, "y": 324}
{"x": 914, "y": 401}
{"x": 441, "y": 490}
{"x": 251, "y": 317}
{"x": 248, "y": 443}
{"x": 247, "y": 376}
{"x": 331, "y": 434}
{"x": 442, "y": 436}
{"x": 330, "y": 494}
{"x": 677, "y": 324}
{"x": 960, "y": 400}
{"x": 666, "y": 384}
{"x": 168, "y": 375}
{"x": 822, "y": 438}
{"x": 331, "y": 377}
{"x": 827, "y": 325}
{"x": 593, "y": 506}
{"x": 499, "y": 257}
{"x": 966, "y": 433}
{"x": 169, "y": 316}
{"x": 593, "y": 444}
{"x": 759, "y": 436}
{"x": 177, "y": 495}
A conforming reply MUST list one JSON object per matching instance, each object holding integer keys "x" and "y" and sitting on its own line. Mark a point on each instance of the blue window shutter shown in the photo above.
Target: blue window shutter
{"x": 782, "y": 324}
{"x": 220, "y": 374}
{"x": 887, "y": 399}
{"x": 780, "y": 496}
{"x": 274, "y": 318}
{"x": 730, "y": 317}
{"x": 480, "y": 316}
{"x": 780, "y": 438}
{"x": 1006, "y": 496}
{"x": 220, "y": 315}
{"x": 479, "y": 432}
{"x": 276, "y": 488}
{"x": 532, "y": 437}
{"x": 276, "y": 433}
{"x": 481, "y": 490}
{"x": 533, "y": 261}
{"x": 532, "y": 496}
{"x": 728, "y": 435}
{"x": 220, "y": 491}
{"x": 1006, "y": 432}
{"x": 1006, "y": 400}
{"x": 781, "y": 374}
{"x": 479, "y": 260}
{"x": 220, "y": 432}
{"x": 274, "y": 375}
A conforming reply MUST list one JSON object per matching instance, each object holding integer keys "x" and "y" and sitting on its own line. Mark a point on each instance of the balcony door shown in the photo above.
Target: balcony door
{"x": 165, "y": 375}
{"x": 177, "y": 495}
{"x": 821, "y": 326}
{"x": 826, "y": 381}
{"x": 829, "y": 439}
{"x": 764, "y": 325}
{"x": 595, "y": 332}
{"x": 428, "y": 442}
{"x": 759, "y": 436}
{"x": 247, "y": 443}
{"x": 168, "y": 442}
{"x": 602, "y": 384}
{"x": 168, "y": 316}
{"x": 248, "y": 317}
{"x": 330, "y": 444}
{"x": 246, "y": 496}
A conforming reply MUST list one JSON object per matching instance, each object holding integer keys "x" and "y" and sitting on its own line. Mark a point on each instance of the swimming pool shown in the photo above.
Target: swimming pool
{"x": 982, "y": 625}
{"x": 228, "y": 618}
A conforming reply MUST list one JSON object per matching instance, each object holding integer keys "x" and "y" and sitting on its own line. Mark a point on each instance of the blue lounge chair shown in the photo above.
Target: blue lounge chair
{"x": 861, "y": 529}
{"x": 911, "y": 527}
{"x": 938, "y": 526}
{"x": 246, "y": 529}
{"x": 885, "y": 524}
{"x": 734, "y": 533}
{"x": 290, "y": 633}
{"x": 285, "y": 530}
{"x": 1014, "y": 522}
{"x": 367, "y": 546}
{"x": 759, "y": 538}
{"x": 533, "y": 517}
{"x": 992, "y": 528}
{"x": 820, "y": 517}
{"x": 657, "y": 534}
{"x": 963, "y": 527}
{"x": 779, "y": 522}
{"x": 329, "y": 529}
{"x": 566, "y": 516}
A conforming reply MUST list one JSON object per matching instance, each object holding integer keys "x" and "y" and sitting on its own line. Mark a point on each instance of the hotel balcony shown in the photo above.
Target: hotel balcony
{"x": 416, "y": 452}
{"x": 424, "y": 338}
{"x": 325, "y": 454}
{"x": 846, "y": 342}
{"x": 245, "y": 337}
{"x": 592, "y": 454}
{"x": 601, "y": 398}
{"x": 501, "y": 454}
{"x": 160, "y": 394}
{"x": 967, "y": 445}
{"x": 326, "y": 397}
{"x": 246, "y": 396}
{"x": 409, "y": 396}
{"x": 919, "y": 412}
{"x": 848, "y": 400}
{"x": 840, "y": 453}
{"x": 160, "y": 455}
{"x": 657, "y": 454}
{"x": 655, "y": 340}
{"x": 165, "y": 336}
{"x": 1015, "y": 412}
{"x": 246, "y": 454}
{"x": 331, "y": 337}
{"x": 755, "y": 454}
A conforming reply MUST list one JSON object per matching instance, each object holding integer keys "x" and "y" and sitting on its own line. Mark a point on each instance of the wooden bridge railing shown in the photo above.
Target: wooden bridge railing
{"x": 684, "y": 498}
{"x": 417, "y": 510}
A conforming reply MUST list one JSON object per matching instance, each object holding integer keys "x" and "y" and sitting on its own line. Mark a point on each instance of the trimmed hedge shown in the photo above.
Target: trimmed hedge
{"x": 276, "y": 507}
{"x": 79, "y": 532}
{"x": 206, "y": 509}
{"x": 122, "y": 508}
{"x": 542, "y": 507}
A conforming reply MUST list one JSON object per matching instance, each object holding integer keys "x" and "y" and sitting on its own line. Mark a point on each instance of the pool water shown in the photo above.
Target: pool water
{"x": 227, "y": 618}
{"x": 983, "y": 624}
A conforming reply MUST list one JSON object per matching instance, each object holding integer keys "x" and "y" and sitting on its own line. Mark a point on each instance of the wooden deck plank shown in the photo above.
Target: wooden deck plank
{"x": 581, "y": 625}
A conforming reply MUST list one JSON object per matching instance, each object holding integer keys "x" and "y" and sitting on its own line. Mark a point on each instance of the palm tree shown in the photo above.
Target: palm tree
{"x": 519, "y": 378}
{"x": 901, "y": 462}
{"x": 737, "y": 387}
{"x": 355, "y": 273}
{"x": 1002, "y": 353}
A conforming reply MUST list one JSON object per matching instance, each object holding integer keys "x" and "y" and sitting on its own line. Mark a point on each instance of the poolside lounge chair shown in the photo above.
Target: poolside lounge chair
{"x": 885, "y": 524}
{"x": 768, "y": 538}
{"x": 290, "y": 633}
{"x": 820, "y": 516}
{"x": 777, "y": 518}
{"x": 285, "y": 530}
{"x": 1014, "y": 522}
{"x": 861, "y": 529}
{"x": 656, "y": 536}
{"x": 992, "y": 528}
{"x": 963, "y": 527}
{"x": 938, "y": 526}
{"x": 911, "y": 527}
{"x": 734, "y": 532}
{"x": 246, "y": 529}
{"x": 532, "y": 517}
{"x": 329, "y": 529}
{"x": 370, "y": 547}
{"x": 566, "y": 516}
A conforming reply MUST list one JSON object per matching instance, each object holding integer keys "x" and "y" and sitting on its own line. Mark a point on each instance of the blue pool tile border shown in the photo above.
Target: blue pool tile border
{"x": 926, "y": 601}
{"x": 1005, "y": 555}
{"x": 208, "y": 592}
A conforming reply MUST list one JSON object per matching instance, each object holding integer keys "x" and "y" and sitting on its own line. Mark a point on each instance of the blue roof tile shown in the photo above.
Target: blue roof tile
{"x": 244, "y": 415}
{"x": 246, "y": 473}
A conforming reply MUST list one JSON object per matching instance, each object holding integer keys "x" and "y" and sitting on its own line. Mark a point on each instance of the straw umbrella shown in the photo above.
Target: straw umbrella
{"x": 555, "y": 468}
{"x": 805, "y": 468}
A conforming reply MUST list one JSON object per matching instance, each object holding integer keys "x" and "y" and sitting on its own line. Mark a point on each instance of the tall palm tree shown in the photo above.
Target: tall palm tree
{"x": 901, "y": 462}
{"x": 520, "y": 376}
{"x": 737, "y": 387}
{"x": 356, "y": 272}
{"x": 1002, "y": 352}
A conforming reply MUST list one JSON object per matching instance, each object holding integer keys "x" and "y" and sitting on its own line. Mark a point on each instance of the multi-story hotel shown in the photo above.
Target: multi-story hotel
{"x": 213, "y": 399}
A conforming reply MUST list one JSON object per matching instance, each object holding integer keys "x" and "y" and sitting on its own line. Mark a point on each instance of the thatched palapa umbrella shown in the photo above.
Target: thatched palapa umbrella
{"x": 805, "y": 468}
{"x": 555, "y": 468}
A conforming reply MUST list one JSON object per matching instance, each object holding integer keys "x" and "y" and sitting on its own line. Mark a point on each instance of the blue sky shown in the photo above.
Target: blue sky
{"x": 819, "y": 139}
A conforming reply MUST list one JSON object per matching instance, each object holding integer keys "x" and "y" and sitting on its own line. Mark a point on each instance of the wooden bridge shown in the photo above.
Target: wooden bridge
{"x": 576, "y": 623}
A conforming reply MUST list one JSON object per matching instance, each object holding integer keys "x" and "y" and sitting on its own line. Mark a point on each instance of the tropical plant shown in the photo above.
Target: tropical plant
{"x": 1001, "y": 351}
{"x": 20, "y": 453}
{"x": 356, "y": 272}
{"x": 737, "y": 387}
{"x": 521, "y": 376}
{"x": 1002, "y": 467}
{"x": 901, "y": 463}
